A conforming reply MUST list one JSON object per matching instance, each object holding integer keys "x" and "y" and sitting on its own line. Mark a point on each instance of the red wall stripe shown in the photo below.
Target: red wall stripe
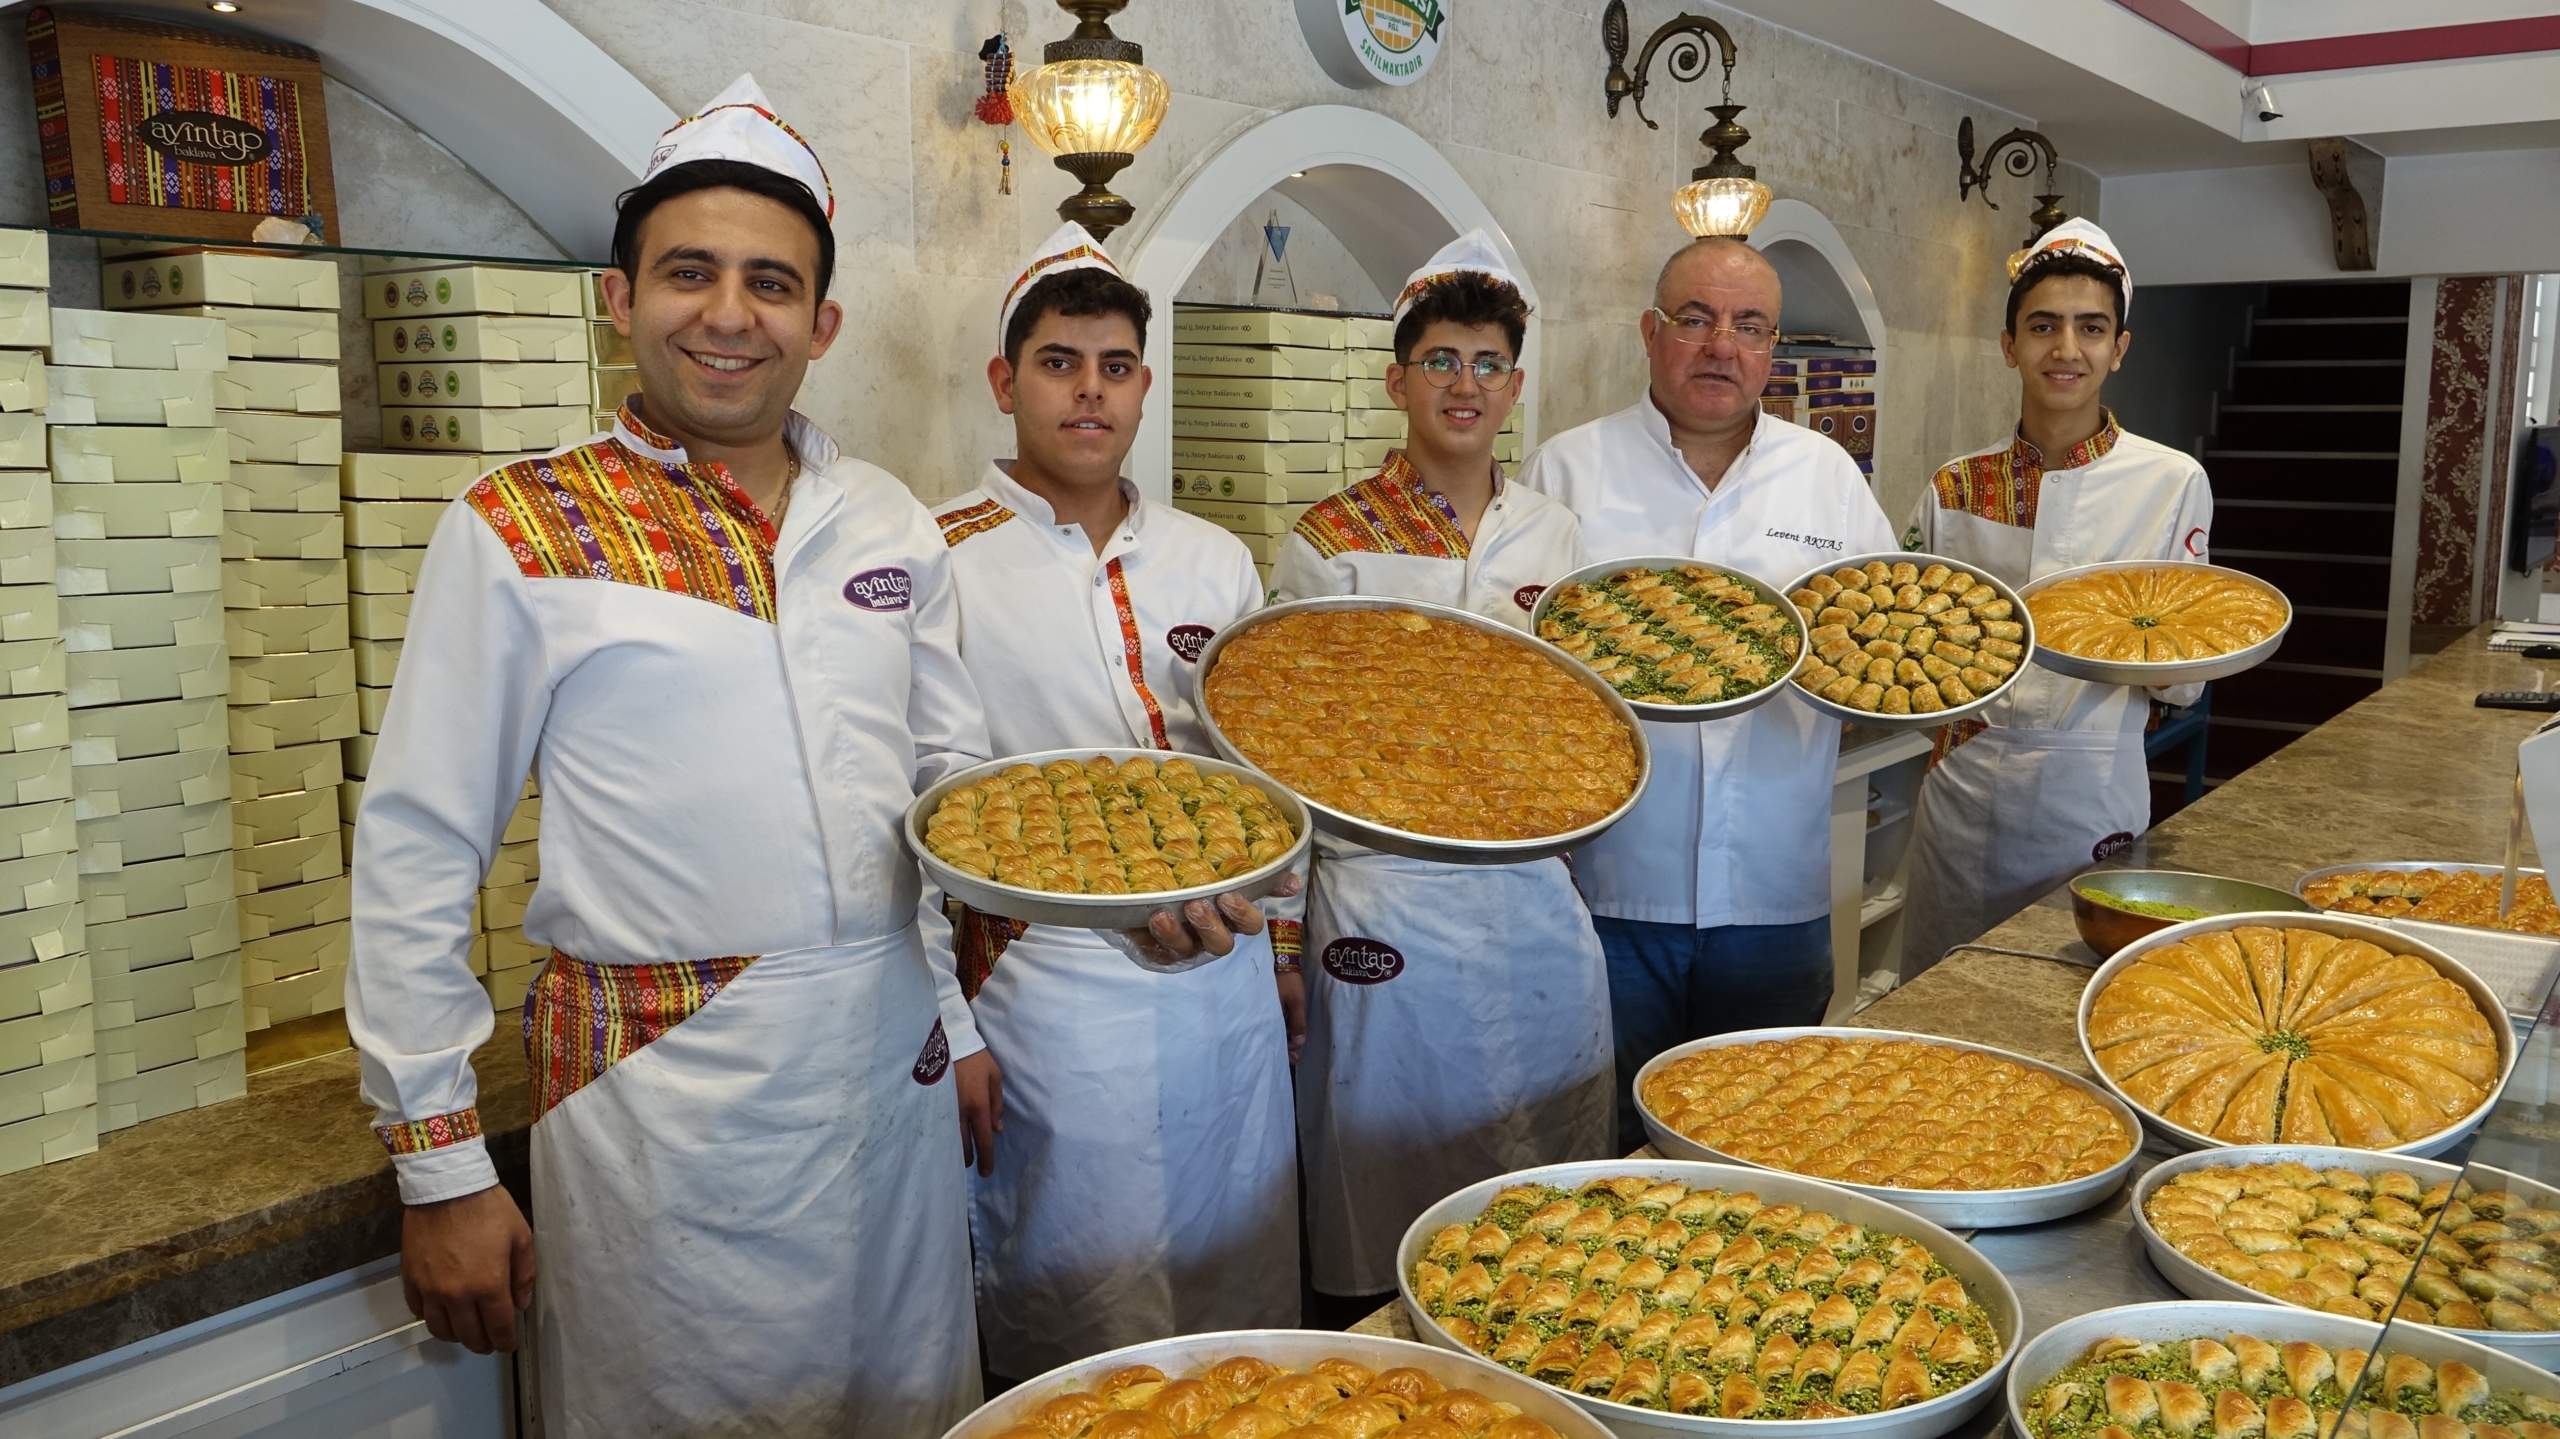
{"x": 2349, "y": 52}
{"x": 2196, "y": 28}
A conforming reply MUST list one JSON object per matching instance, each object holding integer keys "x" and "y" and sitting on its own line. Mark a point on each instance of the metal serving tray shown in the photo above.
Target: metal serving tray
{"x": 1924, "y": 1420}
{"x": 1297, "y": 1349}
{"x": 1687, "y": 714}
{"x": 2167, "y": 672}
{"x": 2196, "y": 1281}
{"x": 2064, "y": 1344}
{"x": 1098, "y": 911}
{"x": 2180, "y": 1138}
{"x": 2302, "y": 886}
{"x": 1846, "y": 715}
{"x": 2517, "y": 963}
{"x": 1406, "y": 842}
{"x": 1955, "y": 1208}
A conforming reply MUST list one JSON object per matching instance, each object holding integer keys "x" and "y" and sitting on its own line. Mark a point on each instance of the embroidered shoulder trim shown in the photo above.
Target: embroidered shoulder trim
{"x": 603, "y": 511}
{"x": 1288, "y": 938}
{"x": 629, "y": 414}
{"x": 581, "y": 1018}
{"x": 968, "y": 520}
{"x": 1389, "y": 513}
{"x": 417, "y": 1136}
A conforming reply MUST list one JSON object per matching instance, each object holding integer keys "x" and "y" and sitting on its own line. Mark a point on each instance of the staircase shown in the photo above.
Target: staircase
{"x": 2305, "y": 459}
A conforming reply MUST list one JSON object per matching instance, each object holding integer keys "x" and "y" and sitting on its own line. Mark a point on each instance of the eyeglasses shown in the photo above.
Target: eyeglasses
{"x": 1750, "y": 337}
{"x": 1441, "y": 368}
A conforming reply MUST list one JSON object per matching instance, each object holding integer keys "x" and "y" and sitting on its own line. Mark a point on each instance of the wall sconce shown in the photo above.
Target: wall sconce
{"x": 1093, "y": 106}
{"x": 2015, "y": 152}
{"x": 1724, "y": 196}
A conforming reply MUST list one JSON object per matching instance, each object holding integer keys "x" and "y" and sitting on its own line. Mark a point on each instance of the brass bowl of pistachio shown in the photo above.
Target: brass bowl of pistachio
{"x": 2114, "y": 907}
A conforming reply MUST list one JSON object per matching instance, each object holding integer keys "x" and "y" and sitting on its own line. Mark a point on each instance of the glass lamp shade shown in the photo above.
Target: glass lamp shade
{"x": 1725, "y": 205}
{"x": 1090, "y": 107}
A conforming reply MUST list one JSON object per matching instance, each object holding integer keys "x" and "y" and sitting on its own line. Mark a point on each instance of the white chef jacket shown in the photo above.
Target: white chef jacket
{"x": 1523, "y": 542}
{"x": 1736, "y": 825}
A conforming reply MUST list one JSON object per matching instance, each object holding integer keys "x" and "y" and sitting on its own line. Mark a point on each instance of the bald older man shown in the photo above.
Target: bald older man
{"x": 1713, "y": 899}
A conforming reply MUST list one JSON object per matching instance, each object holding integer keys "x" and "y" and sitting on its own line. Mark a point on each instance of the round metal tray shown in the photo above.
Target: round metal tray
{"x": 1297, "y": 1349}
{"x": 2166, "y": 672}
{"x": 2196, "y": 1281}
{"x": 2182, "y": 1139}
{"x": 1407, "y": 843}
{"x": 1687, "y": 714}
{"x": 2106, "y": 929}
{"x": 1924, "y": 1420}
{"x": 2409, "y": 866}
{"x": 1955, "y": 1208}
{"x": 2066, "y": 1343}
{"x": 1098, "y": 911}
{"x": 1847, "y": 715}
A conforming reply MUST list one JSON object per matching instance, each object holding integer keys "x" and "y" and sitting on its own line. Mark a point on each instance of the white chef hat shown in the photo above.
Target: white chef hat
{"x": 2075, "y": 237}
{"x": 1070, "y": 247}
{"x": 1472, "y": 253}
{"x": 739, "y": 124}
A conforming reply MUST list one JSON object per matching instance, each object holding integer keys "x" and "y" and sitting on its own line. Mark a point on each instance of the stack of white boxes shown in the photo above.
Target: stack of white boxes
{"x": 609, "y": 359}
{"x": 49, "y": 1062}
{"x": 1257, "y": 421}
{"x": 139, "y": 464}
{"x": 392, "y": 505}
{"x": 459, "y": 377}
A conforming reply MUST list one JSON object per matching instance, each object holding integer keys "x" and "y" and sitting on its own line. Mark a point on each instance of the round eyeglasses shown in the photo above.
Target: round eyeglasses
{"x": 1750, "y": 336}
{"x": 1441, "y": 368}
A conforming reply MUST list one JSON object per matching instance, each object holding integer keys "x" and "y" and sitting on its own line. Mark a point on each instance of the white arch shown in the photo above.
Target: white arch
{"x": 1833, "y": 295}
{"x": 1384, "y": 192}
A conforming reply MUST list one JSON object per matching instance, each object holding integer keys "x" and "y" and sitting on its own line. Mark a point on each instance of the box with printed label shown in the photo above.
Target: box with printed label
{"x": 1243, "y": 519}
{"x": 35, "y": 776}
{"x": 1370, "y": 395}
{"x": 46, "y": 1038}
{"x": 136, "y": 512}
{"x": 609, "y": 389}
{"x": 124, "y": 454}
{"x": 139, "y": 836}
{"x": 35, "y": 722}
{"x": 322, "y": 991}
{"x": 255, "y": 584}
{"x": 1368, "y": 364}
{"x": 30, "y": 612}
{"x": 489, "y": 383}
{"x": 514, "y": 338}
{"x": 1239, "y": 393}
{"x": 281, "y": 489}
{"x": 291, "y": 722}
{"x": 130, "y": 996}
{"x": 378, "y": 617}
{"x": 132, "y": 622}
{"x": 249, "y": 535}
{"x": 289, "y": 952}
{"x": 285, "y": 629}
{"x": 269, "y": 334}
{"x": 26, "y": 500}
{"x": 283, "y": 771}
{"x": 1250, "y": 456}
{"x": 1376, "y": 425}
{"x": 151, "y": 782}
{"x": 49, "y": 1139}
{"x": 128, "y": 397}
{"x": 112, "y": 339}
{"x": 406, "y": 475}
{"x": 171, "y": 936}
{"x": 1368, "y": 332}
{"x": 1252, "y": 489}
{"x": 537, "y": 429}
{"x": 32, "y": 667}
{"x": 26, "y": 259}
{"x": 295, "y": 906}
{"x": 48, "y": 1089}
{"x": 295, "y": 861}
{"x": 377, "y": 661}
{"x": 269, "y": 438}
{"x": 35, "y": 883}
{"x": 213, "y": 277}
{"x": 1846, "y": 417}
{"x": 136, "y": 567}
{"x": 22, "y": 384}
{"x": 1837, "y": 365}
{"x": 1197, "y": 325}
{"x": 392, "y": 523}
{"x": 22, "y": 439}
{"x": 1302, "y": 426}
{"x": 157, "y": 888}
{"x": 47, "y": 971}
{"x": 120, "y": 732}
{"x": 265, "y": 679}
{"x": 26, "y": 319}
{"x": 384, "y": 571}
{"x": 287, "y": 385}
{"x": 475, "y": 290}
{"x": 170, "y": 1039}
{"x": 1274, "y": 362}
{"x": 123, "y": 1103}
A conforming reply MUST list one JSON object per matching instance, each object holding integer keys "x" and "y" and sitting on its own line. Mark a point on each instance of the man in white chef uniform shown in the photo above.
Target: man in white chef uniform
{"x": 2051, "y": 778}
{"x": 1713, "y": 899}
{"x": 1458, "y": 1024}
{"x": 732, "y": 654}
{"x": 1144, "y": 1182}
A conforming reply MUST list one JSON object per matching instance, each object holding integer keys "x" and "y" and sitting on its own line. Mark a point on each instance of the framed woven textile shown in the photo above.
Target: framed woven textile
{"x": 161, "y": 130}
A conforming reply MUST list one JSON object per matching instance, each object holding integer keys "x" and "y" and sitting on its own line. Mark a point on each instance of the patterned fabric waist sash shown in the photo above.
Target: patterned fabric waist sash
{"x": 581, "y": 1018}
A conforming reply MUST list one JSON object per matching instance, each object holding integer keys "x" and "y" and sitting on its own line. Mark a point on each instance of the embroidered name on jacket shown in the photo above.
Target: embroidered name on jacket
{"x": 605, "y": 512}
{"x": 1389, "y": 513}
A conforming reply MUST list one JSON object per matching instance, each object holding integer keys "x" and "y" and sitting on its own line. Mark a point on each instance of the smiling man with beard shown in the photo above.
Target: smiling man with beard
{"x": 1713, "y": 899}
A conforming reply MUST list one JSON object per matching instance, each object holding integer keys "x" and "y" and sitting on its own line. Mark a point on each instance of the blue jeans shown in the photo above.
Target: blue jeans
{"x": 1672, "y": 983}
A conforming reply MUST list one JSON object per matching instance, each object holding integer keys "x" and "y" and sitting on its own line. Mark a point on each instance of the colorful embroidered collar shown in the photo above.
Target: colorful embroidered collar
{"x": 2003, "y": 486}
{"x": 1390, "y": 513}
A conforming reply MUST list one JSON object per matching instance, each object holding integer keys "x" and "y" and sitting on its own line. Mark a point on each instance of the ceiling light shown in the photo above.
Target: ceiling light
{"x": 1724, "y": 196}
{"x": 1093, "y": 106}
{"x": 223, "y": 7}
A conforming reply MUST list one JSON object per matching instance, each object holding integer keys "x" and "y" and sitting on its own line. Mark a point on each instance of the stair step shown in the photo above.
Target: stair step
{"x": 2304, "y": 429}
{"x": 2328, "y": 340}
{"x": 2321, "y": 582}
{"x": 2351, "y": 297}
{"x": 2309, "y": 529}
{"x": 2289, "y": 695}
{"x": 2370, "y": 480}
{"x": 2301, "y": 382}
{"x": 2334, "y": 640}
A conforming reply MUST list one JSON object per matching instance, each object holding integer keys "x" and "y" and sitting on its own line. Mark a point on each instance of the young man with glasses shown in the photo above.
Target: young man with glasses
{"x": 1713, "y": 899}
{"x": 1458, "y": 1018}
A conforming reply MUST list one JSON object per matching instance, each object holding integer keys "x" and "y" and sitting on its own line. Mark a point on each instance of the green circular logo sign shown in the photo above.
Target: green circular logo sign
{"x": 450, "y": 338}
{"x": 1363, "y": 43}
{"x": 177, "y": 281}
{"x": 444, "y": 290}
{"x": 452, "y": 383}
{"x": 453, "y": 428}
{"x": 1227, "y": 487}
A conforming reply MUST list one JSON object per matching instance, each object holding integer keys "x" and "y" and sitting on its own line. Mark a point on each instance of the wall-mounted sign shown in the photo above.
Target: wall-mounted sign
{"x": 1362, "y": 43}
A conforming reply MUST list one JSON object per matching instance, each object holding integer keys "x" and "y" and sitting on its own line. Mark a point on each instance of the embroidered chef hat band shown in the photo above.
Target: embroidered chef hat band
{"x": 739, "y": 124}
{"x": 1070, "y": 247}
{"x": 2080, "y": 238}
{"x": 1472, "y": 253}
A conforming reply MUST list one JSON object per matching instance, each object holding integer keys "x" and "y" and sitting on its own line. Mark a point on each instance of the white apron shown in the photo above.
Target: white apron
{"x": 1457, "y": 1015}
{"x": 783, "y": 1159}
{"x": 2056, "y": 780}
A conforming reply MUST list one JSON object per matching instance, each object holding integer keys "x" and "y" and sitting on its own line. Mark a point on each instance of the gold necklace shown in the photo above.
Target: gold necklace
{"x": 790, "y": 479}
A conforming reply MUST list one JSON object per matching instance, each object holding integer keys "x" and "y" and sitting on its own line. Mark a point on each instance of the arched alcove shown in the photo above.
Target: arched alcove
{"x": 1826, "y": 291}
{"x": 1384, "y": 192}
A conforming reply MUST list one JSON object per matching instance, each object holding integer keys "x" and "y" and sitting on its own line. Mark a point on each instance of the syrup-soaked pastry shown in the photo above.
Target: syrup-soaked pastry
{"x": 1096, "y": 826}
{"x": 2208, "y": 1388}
{"x": 1947, "y": 638}
{"x": 2149, "y": 614}
{"x": 1802, "y": 1316}
{"x": 2468, "y": 897}
{"x": 1896, "y": 1113}
{"x": 1685, "y": 636}
{"x": 1248, "y": 1397}
{"x": 1423, "y": 725}
{"x": 2261, "y": 1035}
